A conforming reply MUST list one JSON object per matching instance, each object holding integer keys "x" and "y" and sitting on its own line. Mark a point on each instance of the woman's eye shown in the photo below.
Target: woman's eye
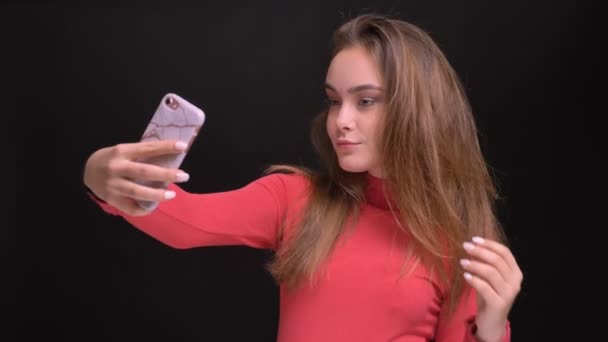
{"x": 366, "y": 102}
{"x": 332, "y": 102}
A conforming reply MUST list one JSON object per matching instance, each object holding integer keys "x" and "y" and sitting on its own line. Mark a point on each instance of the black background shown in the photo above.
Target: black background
{"x": 82, "y": 77}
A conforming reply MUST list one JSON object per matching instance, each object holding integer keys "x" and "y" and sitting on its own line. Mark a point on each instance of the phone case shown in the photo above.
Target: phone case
{"x": 175, "y": 118}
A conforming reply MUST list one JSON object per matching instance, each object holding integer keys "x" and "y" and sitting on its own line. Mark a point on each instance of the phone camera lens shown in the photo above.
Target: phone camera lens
{"x": 169, "y": 101}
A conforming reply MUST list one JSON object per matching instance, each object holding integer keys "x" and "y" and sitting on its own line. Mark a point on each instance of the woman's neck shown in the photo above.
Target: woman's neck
{"x": 375, "y": 193}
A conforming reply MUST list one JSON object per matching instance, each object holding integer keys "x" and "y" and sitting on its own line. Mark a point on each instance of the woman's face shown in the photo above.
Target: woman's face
{"x": 354, "y": 88}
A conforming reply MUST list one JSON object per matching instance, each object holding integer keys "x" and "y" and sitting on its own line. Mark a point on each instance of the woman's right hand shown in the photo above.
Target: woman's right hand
{"x": 109, "y": 174}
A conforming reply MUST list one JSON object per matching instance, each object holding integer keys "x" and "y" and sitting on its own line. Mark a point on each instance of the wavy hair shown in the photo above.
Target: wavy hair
{"x": 436, "y": 176}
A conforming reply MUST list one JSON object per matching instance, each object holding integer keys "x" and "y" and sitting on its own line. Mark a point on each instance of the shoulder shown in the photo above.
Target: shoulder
{"x": 290, "y": 185}
{"x": 292, "y": 192}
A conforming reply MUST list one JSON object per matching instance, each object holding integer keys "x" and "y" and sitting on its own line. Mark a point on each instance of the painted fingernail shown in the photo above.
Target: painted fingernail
{"x": 465, "y": 262}
{"x": 468, "y": 276}
{"x": 478, "y": 239}
{"x": 182, "y": 176}
{"x": 468, "y": 246}
{"x": 169, "y": 194}
{"x": 180, "y": 145}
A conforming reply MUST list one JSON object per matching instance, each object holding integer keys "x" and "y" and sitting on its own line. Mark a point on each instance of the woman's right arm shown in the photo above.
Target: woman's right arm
{"x": 248, "y": 216}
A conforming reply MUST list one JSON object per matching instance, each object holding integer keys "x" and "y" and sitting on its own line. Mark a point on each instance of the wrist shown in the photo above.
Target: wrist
{"x": 93, "y": 195}
{"x": 494, "y": 334}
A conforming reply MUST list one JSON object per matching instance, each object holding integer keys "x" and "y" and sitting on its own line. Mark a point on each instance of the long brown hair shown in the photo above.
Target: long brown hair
{"x": 436, "y": 176}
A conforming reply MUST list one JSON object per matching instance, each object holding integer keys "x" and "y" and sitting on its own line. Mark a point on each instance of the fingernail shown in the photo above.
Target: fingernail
{"x": 182, "y": 176}
{"x": 478, "y": 239}
{"x": 180, "y": 145}
{"x": 465, "y": 262}
{"x": 468, "y": 276}
{"x": 468, "y": 246}
{"x": 169, "y": 194}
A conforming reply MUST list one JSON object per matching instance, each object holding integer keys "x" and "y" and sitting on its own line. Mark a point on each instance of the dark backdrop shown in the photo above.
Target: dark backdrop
{"x": 87, "y": 76}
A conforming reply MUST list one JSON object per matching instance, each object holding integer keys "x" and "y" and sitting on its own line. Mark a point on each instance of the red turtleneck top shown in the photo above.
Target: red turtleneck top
{"x": 359, "y": 297}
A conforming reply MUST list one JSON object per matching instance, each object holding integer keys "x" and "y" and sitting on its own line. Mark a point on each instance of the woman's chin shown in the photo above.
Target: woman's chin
{"x": 352, "y": 166}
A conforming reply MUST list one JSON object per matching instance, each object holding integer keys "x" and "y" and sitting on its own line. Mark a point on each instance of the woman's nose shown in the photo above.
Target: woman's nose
{"x": 345, "y": 118}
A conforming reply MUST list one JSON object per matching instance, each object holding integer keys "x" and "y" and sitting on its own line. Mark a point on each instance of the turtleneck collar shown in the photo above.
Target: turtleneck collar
{"x": 375, "y": 193}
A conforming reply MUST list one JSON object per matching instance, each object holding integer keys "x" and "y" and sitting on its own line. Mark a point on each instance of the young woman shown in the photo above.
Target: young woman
{"x": 394, "y": 240}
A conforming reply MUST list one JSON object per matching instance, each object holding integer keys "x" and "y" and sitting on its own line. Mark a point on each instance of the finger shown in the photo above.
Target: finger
{"x": 148, "y": 149}
{"x": 482, "y": 287}
{"x": 148, "y": 172}
{"x": 130, "y": 189}
{"x": 128, "y": 206}
{"x": 485, "y": 255}
{"x": 500, "y": 249}
{"x": 487, "y": 273}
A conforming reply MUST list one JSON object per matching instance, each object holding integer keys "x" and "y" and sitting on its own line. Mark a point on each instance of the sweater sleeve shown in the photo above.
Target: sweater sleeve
{"x": 249, "y": 216}
{"x": 460, "y": 326}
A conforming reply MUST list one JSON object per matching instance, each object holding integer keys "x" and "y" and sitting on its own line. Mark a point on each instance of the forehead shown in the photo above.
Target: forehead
{"x": 353, "y": 66}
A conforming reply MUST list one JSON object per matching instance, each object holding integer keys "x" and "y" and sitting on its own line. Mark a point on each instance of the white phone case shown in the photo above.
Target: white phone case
{"x": 175, "y": 118}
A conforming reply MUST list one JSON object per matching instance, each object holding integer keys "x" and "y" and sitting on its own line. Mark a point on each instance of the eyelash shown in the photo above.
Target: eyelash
{"x": 331, "y": 102}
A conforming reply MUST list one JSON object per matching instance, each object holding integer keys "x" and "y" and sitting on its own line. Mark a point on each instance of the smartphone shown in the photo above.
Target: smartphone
{"x": 174, "y": 118}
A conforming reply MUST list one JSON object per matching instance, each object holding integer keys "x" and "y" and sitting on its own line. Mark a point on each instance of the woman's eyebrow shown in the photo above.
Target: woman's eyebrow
{"x": 356, "y": 88}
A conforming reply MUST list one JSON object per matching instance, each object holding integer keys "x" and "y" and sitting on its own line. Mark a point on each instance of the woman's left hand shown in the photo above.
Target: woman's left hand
{"x": 494, "y": 274}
